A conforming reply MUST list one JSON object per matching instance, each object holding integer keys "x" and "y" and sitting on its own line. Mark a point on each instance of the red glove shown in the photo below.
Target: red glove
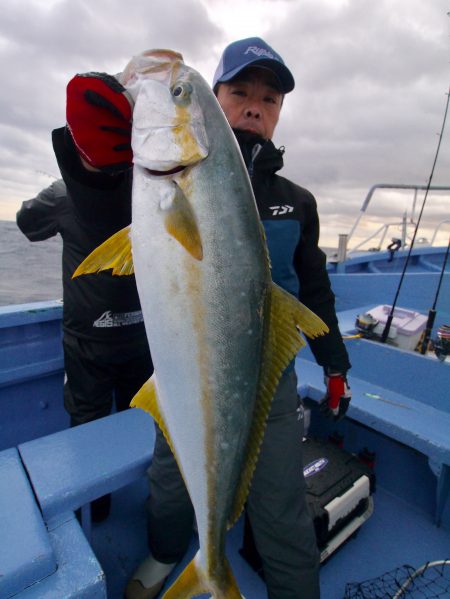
{"x": 99, "y": 119}
{"x": 338, "y": 396}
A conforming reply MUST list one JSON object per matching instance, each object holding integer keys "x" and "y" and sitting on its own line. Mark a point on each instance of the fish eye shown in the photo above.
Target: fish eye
{"x": 182, "y": 91}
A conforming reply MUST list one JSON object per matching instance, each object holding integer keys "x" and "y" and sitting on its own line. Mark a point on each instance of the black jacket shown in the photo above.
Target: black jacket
{"x": 290, "y": 218}
{"x": 86, "y": 209}
{"x": 102, "y": 206}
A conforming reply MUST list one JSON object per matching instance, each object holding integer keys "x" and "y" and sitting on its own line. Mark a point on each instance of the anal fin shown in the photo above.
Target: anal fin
{"x": 147, "y": 399}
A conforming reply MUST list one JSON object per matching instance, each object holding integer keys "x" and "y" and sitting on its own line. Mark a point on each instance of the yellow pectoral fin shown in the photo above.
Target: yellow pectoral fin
{"x": 181, "y": 224}
{"x": 281, "y": 344}
{"x": 114, "y": 253}
{"x": 192, "y": 582}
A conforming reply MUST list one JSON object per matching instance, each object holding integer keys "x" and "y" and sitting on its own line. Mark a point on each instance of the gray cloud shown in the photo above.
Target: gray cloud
{"x": 369, "y": 101}
{"x": 371, "y": 84}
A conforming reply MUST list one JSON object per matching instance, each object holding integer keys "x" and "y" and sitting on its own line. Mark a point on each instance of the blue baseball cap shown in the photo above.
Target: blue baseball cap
{"x": 252, "y": 51}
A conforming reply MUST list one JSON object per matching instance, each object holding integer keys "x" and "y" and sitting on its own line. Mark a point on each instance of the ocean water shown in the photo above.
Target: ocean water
{"x": 29, "y": 271}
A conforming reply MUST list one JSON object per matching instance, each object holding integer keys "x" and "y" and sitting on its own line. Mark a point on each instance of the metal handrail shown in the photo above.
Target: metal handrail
{"x": 377, "y": 232}
{"x": 447, "y": 220}
{"x": 368, "y": 198}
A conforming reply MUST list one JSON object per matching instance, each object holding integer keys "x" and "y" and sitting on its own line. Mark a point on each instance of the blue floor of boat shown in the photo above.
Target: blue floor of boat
{"x": 394, "y": 535}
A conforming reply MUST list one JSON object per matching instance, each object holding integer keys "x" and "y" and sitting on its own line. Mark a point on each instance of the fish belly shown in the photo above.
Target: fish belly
{"x": 204, "y": 321}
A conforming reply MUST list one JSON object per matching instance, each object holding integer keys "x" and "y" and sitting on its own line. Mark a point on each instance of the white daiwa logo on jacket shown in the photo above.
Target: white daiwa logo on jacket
{"x": 120, "y": 319}
{"x": 280, "y": 210}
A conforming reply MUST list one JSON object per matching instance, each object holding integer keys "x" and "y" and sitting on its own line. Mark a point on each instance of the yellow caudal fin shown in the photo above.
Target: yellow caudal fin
{"x": 282, "y": 343}
{"x": 113, "y": 253}
{"x": 180, "y": 223}
{"x": 192, "y": 582}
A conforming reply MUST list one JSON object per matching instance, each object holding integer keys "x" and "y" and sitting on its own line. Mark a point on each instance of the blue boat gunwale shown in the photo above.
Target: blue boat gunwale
{"x": 35, "y": 312}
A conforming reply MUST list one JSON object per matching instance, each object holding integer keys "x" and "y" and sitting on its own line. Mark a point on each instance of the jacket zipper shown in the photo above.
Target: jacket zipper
{"x": 255, "y": 151}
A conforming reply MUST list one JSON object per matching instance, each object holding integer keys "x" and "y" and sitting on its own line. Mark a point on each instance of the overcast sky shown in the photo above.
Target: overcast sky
{"x": 372, "y": 78}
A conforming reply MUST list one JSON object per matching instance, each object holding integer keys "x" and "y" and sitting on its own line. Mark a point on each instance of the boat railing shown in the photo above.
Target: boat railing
{"x": 436, "y": 231}
{"x": 383, "y": 231}
{"x": 407, "y": 221}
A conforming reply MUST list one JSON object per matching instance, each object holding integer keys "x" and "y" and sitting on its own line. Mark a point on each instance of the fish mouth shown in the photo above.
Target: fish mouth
{"x": 172, "y": 171}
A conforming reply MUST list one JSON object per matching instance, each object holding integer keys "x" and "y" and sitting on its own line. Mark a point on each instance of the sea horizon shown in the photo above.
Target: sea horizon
{"x": 32, "y": 271}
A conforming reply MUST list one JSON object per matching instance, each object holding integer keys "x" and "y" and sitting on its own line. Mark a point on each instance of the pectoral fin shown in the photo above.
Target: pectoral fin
{"x": 113, "y": 253}
{"x": 192, "y": 582}
{"x": 180, "y": 223}
{"x": 282, "y": 343}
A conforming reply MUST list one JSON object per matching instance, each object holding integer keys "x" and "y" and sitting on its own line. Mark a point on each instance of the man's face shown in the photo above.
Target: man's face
{"x": 252, "y": 101}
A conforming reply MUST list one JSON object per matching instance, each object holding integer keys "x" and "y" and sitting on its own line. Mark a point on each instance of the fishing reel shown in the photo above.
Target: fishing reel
{"x": 365, "y": 324}
{"x": 442, "y": 343}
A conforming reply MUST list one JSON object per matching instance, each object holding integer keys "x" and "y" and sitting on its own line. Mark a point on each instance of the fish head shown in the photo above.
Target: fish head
{"x": 168, "y": 132}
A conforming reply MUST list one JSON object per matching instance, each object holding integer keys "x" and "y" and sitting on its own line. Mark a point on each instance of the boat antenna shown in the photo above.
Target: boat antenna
{"x": 432, "y": 311}
{"x": 387, "y": 326}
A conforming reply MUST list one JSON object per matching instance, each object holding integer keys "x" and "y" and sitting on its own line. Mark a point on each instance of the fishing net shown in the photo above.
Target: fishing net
{"x": 430, "y": 581}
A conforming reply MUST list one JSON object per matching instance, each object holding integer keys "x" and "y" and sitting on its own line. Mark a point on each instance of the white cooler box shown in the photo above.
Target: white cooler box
{"x": 406, "y": 327}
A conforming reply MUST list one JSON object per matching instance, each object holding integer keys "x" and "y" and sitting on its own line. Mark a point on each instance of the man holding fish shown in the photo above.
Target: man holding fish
{"x": 230, "y": 317}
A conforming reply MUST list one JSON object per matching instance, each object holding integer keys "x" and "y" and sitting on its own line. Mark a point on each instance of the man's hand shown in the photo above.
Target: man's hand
{"x": 337, "y": 398}
{"x": 99, "y": 119}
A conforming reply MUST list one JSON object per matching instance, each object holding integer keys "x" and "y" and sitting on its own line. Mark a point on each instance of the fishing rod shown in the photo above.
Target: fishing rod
{"x": 432, "y": 311}
{"x": 387, "y": 326}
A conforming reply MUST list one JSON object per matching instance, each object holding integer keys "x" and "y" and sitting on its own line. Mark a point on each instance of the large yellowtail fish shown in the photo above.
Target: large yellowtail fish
{"x": 220, "y": 331}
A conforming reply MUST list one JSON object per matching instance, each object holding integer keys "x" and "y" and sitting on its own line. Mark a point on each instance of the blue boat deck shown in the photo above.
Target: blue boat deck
{"x": 392, "y": 389}
{"x": 396, "y": 534}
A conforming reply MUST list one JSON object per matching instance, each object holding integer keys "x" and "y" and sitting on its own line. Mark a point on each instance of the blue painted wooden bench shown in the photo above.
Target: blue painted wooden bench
{"x": 37, "y": 560}
{"x": 70, "y": 468}
{"x": 43, "y": 551}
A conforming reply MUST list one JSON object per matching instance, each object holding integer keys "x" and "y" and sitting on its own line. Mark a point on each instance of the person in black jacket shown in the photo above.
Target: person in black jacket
{"x": 250, "y": 83}
{"x": 106, "y": 354}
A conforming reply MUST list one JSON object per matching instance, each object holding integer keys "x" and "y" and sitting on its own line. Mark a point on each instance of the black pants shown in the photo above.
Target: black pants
{"x": 99, "y": 373}
{"x": 276, "y": 506}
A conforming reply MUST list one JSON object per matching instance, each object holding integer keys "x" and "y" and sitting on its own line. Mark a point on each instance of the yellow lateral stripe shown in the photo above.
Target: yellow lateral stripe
{"x": 282, "y": 343}
{"x": 113, "y": 253}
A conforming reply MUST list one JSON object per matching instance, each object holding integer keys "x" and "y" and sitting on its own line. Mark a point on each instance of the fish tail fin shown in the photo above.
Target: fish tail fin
{"x": 192, "y": 581}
